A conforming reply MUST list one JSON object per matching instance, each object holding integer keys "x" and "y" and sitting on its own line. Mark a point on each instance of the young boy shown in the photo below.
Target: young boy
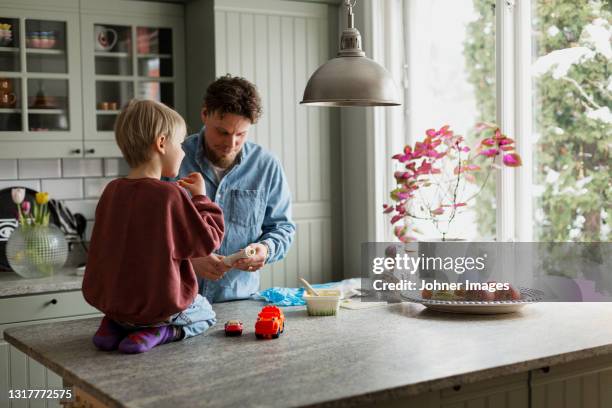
{"x": 139, "y": 272}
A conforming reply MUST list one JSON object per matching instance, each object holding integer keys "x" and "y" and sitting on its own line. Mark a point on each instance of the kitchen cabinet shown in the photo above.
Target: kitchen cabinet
{"x": 582, "y": 384}
{"x": 40, "y": 80}
{"x": 17, "y": 370}
{"x": 137, "y": 53}
{"x": 66, "y": 71}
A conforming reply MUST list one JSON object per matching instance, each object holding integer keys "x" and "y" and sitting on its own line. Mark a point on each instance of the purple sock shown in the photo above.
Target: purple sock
{"x": 109, "y": 335}
{"x": 145, "y": 339}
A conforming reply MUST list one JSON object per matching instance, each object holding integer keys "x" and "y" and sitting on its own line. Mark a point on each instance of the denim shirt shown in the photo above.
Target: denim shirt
{"x": 256, "y": 203}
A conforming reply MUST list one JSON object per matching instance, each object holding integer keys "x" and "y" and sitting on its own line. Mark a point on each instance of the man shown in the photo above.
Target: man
{"x": 246, "y": 181}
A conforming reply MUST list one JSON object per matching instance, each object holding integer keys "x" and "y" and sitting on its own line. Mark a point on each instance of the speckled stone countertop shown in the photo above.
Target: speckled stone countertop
{"x": 359, "y": 356}
{"x": 12, "y": 284}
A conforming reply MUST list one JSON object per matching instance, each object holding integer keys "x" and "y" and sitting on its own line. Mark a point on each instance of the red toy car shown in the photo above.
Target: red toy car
{"x": 270, "y": 323}
{"x": 233, "y": 328}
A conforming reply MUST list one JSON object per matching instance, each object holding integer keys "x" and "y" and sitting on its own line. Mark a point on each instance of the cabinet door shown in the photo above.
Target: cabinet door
{"x": 506, "y": 392}
{"x": 581, "y": 384}
{"x": 128, "y": 57}
{"x": 19, "y": 372}
{"x": 40, "y": 78}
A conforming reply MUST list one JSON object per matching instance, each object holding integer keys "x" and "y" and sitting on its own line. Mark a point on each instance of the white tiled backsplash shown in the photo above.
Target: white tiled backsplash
{"x": 77, "y": 182}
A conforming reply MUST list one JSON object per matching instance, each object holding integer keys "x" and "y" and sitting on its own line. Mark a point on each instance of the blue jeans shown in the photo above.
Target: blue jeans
{"x": 194, "y": 320}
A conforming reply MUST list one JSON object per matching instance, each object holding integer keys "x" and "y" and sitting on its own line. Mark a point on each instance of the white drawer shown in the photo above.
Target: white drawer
{"x": 44, "y": 306}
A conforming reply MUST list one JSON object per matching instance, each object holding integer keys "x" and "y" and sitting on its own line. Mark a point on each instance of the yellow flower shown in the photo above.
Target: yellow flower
{"x": 42, "y": 198}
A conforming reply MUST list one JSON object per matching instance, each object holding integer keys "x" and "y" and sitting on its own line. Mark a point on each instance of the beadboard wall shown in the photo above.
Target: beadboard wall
{"x": 77, "y": 182}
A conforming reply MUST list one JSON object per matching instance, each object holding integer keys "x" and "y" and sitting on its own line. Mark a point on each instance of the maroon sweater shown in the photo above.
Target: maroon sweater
{"x": 138, "y": 267}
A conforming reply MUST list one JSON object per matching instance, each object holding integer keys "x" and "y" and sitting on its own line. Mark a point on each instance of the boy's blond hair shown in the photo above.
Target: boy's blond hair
{"x": 140, "y": 122}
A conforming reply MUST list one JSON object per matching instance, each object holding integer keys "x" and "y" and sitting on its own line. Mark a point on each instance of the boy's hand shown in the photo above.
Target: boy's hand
{"x": 194, "y": 182}
{"x": 210, "y": 267}
{"x": 255, "y": 262}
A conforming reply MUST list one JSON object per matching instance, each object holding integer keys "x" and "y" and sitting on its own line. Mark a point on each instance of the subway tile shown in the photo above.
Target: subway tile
{"x": 89, "y": 230}
{"x": 33, "y": 184}
{"x": 95, "y": 186}
{"x": 82, "y": 167}
{"x": 8, "y": 169}
{"x": 39, "y": 168}
{"x": 85, "y": 207}
{"x": 115, "y": 167}
{"x": 63, "y": 188}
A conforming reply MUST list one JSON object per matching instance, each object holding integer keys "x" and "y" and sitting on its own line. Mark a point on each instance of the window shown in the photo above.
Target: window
{"x": 572, "y": 122}
{"x": 543, "y": 70}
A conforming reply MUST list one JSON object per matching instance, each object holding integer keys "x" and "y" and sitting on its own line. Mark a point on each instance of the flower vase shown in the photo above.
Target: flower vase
{"x": 36, "y": 251}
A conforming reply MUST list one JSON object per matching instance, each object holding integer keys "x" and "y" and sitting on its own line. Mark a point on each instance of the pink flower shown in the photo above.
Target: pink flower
{"x": 488, "y": 141}
{"x": 489, "y": 152}
{"x": 512, "y": 160}
{"x": 396, "y": 218}
{"x": 25, "y": 207}
{"x": 438, "y": 211}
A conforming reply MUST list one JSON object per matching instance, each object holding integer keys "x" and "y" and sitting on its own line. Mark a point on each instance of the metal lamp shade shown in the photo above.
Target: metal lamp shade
{"x": 351, "y": 81}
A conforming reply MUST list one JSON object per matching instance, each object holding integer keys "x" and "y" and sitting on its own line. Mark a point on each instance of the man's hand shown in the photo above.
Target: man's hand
{"x": 194, "y": 182}
{"x": 254, "y": 262}
{"x": 210, "y": 267}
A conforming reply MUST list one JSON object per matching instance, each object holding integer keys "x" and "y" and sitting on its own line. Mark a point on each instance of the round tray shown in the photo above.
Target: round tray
{"x": 529, "y": 296}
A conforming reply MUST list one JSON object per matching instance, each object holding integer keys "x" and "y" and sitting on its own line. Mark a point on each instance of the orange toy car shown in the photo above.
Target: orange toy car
{"x": 270, "y": 323}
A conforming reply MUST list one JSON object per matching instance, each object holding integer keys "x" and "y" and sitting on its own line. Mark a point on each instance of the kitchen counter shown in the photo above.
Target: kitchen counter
{"x": 356, "y": 357}
{"x": 12, "y": 284}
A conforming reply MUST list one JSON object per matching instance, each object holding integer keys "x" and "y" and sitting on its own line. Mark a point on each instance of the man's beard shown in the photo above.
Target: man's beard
{"x": 220, "y": 161}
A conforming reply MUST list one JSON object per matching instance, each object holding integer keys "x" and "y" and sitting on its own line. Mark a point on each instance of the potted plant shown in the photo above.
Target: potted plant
{"x": 433, "y": 175}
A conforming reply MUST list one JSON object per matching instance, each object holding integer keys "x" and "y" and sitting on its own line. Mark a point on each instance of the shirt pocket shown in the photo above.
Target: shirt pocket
{"x": 246, "y": 207}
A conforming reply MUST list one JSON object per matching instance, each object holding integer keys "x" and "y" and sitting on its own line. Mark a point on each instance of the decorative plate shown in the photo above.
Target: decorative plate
{"x": 528, "y": 296}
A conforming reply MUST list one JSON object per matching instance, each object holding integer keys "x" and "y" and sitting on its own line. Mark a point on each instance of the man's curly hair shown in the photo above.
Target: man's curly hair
{"x": 228, "y": 94}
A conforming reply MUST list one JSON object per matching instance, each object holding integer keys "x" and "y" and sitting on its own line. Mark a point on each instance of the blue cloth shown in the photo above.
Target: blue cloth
{"x": 287, "y": 296}
{"x": 194, "y": 320}
{"x": 256, "y": 203}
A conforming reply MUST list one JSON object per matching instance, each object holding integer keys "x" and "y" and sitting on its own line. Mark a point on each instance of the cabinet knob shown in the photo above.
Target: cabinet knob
{"x": 457, "y": 388}
{"x": 90, "y": 151}
{"x": 545, "y": 369}
{"x": 53, "y": 301}
{"x": 75, "y": 151}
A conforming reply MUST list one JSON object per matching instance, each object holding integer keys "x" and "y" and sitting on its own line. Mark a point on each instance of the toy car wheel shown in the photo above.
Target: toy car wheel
{"x": 259, "y": 336}
{"x": 275, "y": 336}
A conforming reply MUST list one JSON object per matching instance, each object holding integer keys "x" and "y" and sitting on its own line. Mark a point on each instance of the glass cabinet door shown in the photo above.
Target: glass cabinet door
{"x": 35, "y": 88}
{"x": 114, "y": 68}
{"x": 129, "y": 61}
{"x": 10, "y": 86}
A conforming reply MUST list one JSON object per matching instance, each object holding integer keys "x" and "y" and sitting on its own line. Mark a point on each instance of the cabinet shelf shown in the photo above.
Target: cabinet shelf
{"x": 46, "y": 111}
{"x": 9, "y": 49}
{"x": 10, "y": 110}
{"x": 154, "y": 56}
{"x": 45, "y": 51}
{"x": 107, "y": 112}
{"x": 112, "y": 54}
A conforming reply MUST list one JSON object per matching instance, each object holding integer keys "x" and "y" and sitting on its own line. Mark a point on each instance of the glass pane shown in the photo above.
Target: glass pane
{"x": 9, "y": 44}
{"x": 110, "y": 97}
{"x": 155, "y": 67}
{"x": 155, "y": 41}
{"x": 572, "y": 121}
{"x": 158, "y": 91}
{"x": 46, "y": 46}
{"x": 48, "y": 105}
{"x": 10, "y": 104}
{"x": 451, "y": 71}
{"x": 113, "y": 49}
